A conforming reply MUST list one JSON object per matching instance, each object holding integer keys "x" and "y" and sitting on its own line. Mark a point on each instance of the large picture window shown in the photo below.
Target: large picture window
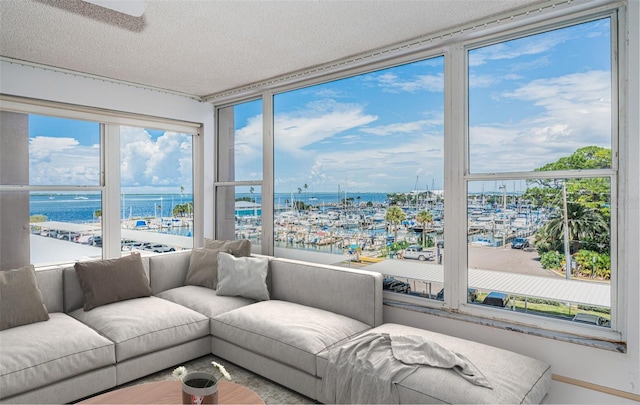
{"x": 359, "y": 173}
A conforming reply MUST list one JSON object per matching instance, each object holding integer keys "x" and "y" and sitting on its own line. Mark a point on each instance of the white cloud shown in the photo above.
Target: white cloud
{"x": 576, "y": 113}
{"x": 532, "y": 45}
{"x": 62, "y": 161}
{"x": 319, "y": 121}
{"x": 401, "y": 127}
{"x": 164, "y": 162}
{"x": 391, "y": 83}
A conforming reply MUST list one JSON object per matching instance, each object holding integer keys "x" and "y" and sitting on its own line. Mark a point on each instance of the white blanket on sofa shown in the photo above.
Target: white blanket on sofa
{"x": 366, "y": 369}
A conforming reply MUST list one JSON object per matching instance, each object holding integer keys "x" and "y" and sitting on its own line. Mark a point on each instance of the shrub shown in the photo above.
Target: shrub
{"x": 551, "y": 260}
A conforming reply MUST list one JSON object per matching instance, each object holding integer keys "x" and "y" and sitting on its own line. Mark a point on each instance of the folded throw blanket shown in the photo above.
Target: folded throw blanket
{"x": 413, "y": 349}
{"x": 366, "y": 369}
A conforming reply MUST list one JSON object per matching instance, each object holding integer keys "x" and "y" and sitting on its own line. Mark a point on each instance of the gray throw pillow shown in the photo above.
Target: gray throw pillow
{"x": 20, "y": 298}
{"x": 203, "y": 267}
{"x": 112, "y": 280}
{"x": 238, "y": 248}
{"x": 243, "y": 276}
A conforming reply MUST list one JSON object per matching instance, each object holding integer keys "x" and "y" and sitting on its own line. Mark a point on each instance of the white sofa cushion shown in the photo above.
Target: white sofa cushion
{"x": 144, "y": 325}
{"x": 43, "y": 353}
{"x": 204, "y": 300}
{"x": 287, "y": 332}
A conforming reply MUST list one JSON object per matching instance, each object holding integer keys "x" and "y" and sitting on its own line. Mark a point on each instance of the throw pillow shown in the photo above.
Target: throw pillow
{"x": 20, "y": 298}
{"x": 238, "y": 248}
{"x": 113, "y": 280}
{"x": 243, "y": 276}
{"x": 203, "y": 267}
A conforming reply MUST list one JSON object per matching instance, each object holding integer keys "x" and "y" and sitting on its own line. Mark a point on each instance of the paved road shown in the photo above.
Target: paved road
{"x": 518, "y": 261}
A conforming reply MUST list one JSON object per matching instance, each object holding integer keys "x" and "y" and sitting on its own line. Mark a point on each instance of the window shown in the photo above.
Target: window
{"x": 543, "y": 243}
{"x": 77, "y": 185}
{"x": 358, "y": 172}
{"x": 239, "y": 172}
{"x": 156, "y": 176}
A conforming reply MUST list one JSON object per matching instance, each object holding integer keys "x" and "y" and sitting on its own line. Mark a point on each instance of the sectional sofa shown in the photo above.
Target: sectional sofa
{"x": 310, "y": 310}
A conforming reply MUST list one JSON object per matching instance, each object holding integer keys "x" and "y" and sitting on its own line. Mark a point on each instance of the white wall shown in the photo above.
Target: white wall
{"x": 32, "y": 82}
{"x": 619, "y": 371}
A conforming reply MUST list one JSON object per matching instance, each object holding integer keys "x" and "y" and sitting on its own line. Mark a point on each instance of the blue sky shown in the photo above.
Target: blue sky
{"x": 531, "y": 101}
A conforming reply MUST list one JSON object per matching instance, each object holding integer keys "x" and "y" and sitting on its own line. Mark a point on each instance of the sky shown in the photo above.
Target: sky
{"x": 531, "y": 101}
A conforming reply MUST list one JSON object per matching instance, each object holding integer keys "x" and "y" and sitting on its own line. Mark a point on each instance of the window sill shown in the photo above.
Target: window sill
{"x": 619, "y": 347}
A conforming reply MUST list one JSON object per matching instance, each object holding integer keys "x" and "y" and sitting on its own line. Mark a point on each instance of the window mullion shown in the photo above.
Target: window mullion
{"x": 111, "y": 194}
{"x": 454, "y": 147}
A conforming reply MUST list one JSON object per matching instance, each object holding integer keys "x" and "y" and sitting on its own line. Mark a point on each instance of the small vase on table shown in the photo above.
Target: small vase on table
{"x": 199, "y": 388}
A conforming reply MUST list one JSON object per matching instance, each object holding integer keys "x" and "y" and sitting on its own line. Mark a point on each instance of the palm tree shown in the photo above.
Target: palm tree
{"x": 305, "y": 190}
{"x": 395, "y": 215}
{"x": 423, "y": 218}
{"x": 583, "y": 222}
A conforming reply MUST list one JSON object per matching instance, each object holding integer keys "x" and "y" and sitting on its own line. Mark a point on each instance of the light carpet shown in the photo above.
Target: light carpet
{"x": 270, "y": 392}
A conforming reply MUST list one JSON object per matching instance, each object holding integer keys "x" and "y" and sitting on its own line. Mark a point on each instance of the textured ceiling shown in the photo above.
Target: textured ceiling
{"x": 205, "y": 47}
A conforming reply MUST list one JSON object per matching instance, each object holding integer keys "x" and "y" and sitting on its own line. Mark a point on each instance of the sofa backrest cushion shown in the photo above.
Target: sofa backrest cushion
{"x": 50, "y": 284}
{"x": 168, "y": 270}
{"x": 20, "y": 298}
{"x": 353, "y": 293}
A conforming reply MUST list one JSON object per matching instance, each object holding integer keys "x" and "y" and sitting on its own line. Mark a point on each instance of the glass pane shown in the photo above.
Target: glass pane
{"x": 538, "y": 98}
{"x": 65, "y": 227}
{"x": 243, "y": 219}
{"x": 518, "y": 249}
{"x": 63, "y": 151}
{"x": 359, "y": 173}
{"x": 156, "y": 202}
{"x": 240, "y": 142}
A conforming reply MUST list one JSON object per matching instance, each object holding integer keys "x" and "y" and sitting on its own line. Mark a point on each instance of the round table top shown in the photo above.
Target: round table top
{"x": 170, "y": 392}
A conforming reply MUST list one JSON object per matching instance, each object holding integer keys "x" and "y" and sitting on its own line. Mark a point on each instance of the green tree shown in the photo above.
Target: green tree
{"x": 97, "y": 213}
{"x": 37, "y": 218}
{"x": 395, "y": 215}
{"x": 424, "y": 217}
{"x": 594, "y": 193}
{"x": 583, "y": 222}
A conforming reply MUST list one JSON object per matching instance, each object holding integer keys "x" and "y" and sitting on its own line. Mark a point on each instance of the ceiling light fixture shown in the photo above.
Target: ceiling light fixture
{"x": 134, "y": 8}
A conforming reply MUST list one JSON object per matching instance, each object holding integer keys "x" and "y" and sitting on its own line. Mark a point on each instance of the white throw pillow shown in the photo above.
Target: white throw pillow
{"x": 243, "y": 276}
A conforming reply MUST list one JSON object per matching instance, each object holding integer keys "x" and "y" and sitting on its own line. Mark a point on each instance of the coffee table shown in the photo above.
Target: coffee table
{"x": 170, "y": 392}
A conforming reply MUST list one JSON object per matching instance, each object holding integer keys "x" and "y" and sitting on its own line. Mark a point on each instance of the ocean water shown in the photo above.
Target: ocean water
{"x": 81, "y": 208}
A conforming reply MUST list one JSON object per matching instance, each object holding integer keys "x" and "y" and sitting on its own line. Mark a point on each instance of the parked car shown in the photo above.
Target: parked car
{"x": 391, "y": 284}
{"x": 496, "y": 299}
{"x": 520, "y": 243}
{"x": 416, "y": 252}
{"x": 97, "y": 241}
{"x": 591, "y": 319}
